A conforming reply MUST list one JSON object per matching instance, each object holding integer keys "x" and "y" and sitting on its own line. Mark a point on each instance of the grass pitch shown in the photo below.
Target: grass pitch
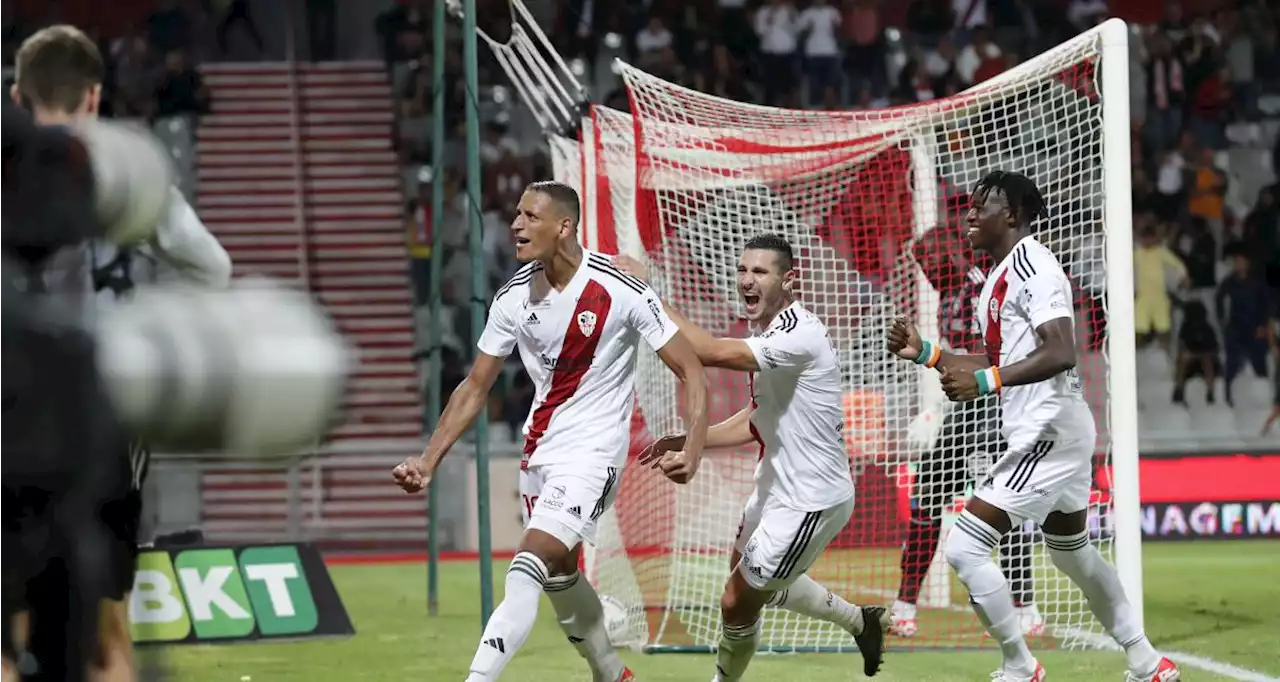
{"x": 1212, "y": 600}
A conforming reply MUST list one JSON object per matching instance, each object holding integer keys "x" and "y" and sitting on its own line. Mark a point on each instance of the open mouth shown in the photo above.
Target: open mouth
{"x": 751, "y": 299}
{"x": 521, "y": 241}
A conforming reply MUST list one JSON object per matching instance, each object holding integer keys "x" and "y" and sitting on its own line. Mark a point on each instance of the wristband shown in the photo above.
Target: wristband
{"x": 988, "y": 380}
{"x": 930, "y": 354}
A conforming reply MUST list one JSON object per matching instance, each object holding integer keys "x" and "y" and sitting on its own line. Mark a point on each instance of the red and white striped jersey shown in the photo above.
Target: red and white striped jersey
{"x": 1027, "y": 289}
{"x": 579, "y": 348}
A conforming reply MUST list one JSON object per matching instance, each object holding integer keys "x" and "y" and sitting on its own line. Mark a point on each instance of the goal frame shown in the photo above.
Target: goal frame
{"x": 602, "y": 232}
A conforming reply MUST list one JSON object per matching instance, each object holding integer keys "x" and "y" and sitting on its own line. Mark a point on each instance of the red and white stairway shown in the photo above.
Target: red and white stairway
{"x": 303, "y": 184}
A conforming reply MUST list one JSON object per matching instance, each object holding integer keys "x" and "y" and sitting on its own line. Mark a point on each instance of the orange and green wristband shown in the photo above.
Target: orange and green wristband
{"x": 930, "y": 354}
{"x": 988, "y": 380}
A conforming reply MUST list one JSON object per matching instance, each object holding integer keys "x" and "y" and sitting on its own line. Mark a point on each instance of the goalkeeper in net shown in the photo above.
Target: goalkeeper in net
{"x": 960, "y": 454}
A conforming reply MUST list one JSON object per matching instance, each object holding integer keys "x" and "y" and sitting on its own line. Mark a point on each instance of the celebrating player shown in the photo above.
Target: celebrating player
{"x": 577, "y": 321}
{"x": 59, "y": 76}
{"x": 804, "y": 492}
{"x": 961, "y": 452}
{"x": 1046, "y": 472}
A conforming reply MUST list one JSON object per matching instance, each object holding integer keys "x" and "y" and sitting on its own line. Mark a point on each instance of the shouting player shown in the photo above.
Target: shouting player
{"x": 804, "y": 492}
{"x": 962, "y": 450}
{"x": 1046, "y": 472}
{"x": 59, "y": 74}
{"x": 577, "y": 321}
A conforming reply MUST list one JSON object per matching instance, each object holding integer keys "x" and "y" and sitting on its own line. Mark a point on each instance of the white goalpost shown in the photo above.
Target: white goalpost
{"x": 685, "y": 178}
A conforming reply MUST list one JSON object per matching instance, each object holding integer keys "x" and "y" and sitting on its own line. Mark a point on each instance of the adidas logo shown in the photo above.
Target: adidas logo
{"x": 576, "y": 511}
{"x": 496, "y": 643}
{"x": 575, "y": 640}
{"x": 533, "y": 319}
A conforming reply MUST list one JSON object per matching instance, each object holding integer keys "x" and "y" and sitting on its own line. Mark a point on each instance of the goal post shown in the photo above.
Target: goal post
{"x": 686, "y": 178}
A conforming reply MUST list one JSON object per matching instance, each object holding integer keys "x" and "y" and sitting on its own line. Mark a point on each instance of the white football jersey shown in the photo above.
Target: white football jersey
{"x": 1027, "y": 289}
{"x": 579, "y": 348}
{"x": 798, "y": 419}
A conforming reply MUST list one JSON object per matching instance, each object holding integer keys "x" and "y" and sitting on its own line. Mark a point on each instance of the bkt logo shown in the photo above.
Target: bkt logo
{"x": 215, "y": 594}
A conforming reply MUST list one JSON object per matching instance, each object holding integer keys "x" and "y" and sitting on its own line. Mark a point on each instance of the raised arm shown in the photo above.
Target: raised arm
{"x": 185, "y": 244}
{"x": 903, "y": 340}
{"x": 714, "y": 352}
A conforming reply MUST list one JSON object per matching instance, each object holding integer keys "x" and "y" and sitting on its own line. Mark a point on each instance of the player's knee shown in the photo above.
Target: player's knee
{"x": 970, "y": 544}
{"x": 741, "y": 604}
{"x": 551, "y": 552}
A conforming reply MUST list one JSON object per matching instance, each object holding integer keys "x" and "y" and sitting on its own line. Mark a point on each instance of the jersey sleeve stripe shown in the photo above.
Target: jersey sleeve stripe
{"x": 789, "y": 320}
{"x": 523, "y": 276}
{"x": 605, "y": 263}
{"x": 618, "y": 276}
{"x": 1022, "y": 263}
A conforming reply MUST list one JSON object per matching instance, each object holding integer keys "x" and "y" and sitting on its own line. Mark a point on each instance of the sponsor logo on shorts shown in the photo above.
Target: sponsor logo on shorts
{"x": 751, "y": 547}
{"x": 554, "y": 499}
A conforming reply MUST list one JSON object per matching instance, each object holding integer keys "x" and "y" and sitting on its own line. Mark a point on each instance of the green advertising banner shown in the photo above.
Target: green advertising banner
{"x": 227, "y": 594}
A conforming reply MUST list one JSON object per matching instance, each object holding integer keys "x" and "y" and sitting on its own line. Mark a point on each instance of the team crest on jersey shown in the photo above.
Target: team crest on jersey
{"x": 994, "y": 305}
{"x": 587, "y": 322}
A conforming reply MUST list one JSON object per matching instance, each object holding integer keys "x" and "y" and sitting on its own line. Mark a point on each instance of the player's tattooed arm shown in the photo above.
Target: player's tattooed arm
{"x": 464, "y": 404}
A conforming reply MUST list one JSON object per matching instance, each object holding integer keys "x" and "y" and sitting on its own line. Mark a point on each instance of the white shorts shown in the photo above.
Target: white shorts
{"x": 1054, "y": 475}
{"x": 566, "y": 500}
{"x": 778, "y": 543}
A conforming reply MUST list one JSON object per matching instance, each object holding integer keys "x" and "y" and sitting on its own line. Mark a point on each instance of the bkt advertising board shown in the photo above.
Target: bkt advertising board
{"x": 209, "y": 594}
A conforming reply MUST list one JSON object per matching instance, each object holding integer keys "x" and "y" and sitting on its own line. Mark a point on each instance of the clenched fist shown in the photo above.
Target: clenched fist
{"x": 903, "y": 340}
{"x": 667, "y": 453}
{"x": 412, "y": 475}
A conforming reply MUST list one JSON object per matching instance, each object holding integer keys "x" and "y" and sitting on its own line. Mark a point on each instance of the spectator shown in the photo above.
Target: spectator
{"x": 1152, "y": 263}
{"x": 1206, "y": 198}
{"x": 168, "y": 28}
{"x": 1211, "y": 109}
{"x": 980, "y": 49}
{"x": 969, "y": 15}
{"x": 651, "y": 41}
{"x": 1266, "y": 61}
{"x": 415, "y": 121}
{"x": 929, "y": 20}
{"x": 776, "y": 26}
{"x": 820, "y": 23}
{"x": 735, "y": 28}
{"x": 1239, "y": 61}
{"x": 402, "y": 30}
{"x": 1198, "y": 250}
{"x": 1085, "y": 14}
{"x": 722, "y": 76}
{"x": 1165, "y": 93}
{"x": 1261, "y": 236}
{"x": 940, "y": 63}
{"x": 1273, "y": 337}
{"x": 181, "y": 90}
{"x": 134, "y": 77}
{"x": 1244, "y": 309}
{"x": 236, "y": 13}
{"x": 1197, "y": 353}
{"x": 864, "y": 46}
{"x": 1174, "y": 25}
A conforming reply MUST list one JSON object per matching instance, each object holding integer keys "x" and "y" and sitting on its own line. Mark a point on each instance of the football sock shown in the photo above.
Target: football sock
{"x": 969, "y": 553}
{"x": 581, "y": 616}
{"x": 922, "y": 541}
{"x": 1098, "y": 580}
{"x": 806, "y": 597}
{"x": 1015, "y": 563}
{"x": 512, "y": 621}
{"x": 737, "y": 645}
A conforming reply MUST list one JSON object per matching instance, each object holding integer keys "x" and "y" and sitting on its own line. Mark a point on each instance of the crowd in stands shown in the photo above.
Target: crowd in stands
{"x": 1206, "y": 93}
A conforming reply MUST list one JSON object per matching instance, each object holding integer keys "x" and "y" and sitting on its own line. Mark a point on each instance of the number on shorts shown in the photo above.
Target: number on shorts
{"x": 530, "y": 501}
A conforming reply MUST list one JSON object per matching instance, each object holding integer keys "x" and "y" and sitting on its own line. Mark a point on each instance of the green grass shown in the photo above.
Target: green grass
{"x": 1210, "y": 599}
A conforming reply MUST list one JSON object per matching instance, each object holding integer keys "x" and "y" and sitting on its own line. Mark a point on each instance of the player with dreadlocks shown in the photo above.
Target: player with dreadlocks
{"x": 1046, "y": 471}
{"x": 961, "y": 450}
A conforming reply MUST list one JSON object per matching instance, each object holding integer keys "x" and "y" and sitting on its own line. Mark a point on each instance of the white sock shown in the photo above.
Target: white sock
{"x": 512, "y": 621}
{"x": 737, "y": 645}
{"x": 807, "y": 598}
{"x": 1098, "y": 580}
{"x": 968, "y": 551}
{"x": 581, "y": 617}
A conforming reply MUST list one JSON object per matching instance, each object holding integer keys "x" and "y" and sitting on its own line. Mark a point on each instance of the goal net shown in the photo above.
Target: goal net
{"x": 873, "y": 202}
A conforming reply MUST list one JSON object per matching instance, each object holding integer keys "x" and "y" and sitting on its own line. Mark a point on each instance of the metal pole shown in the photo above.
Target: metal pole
{"x": 438, "y": 30}
{"x": 479, "y": 294}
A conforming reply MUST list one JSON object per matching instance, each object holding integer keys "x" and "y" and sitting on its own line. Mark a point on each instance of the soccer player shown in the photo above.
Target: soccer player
{"x": 59, "y": 74}
{"x": 1046, "y": 471}
{"x": 577, "y": 321}
{"x": 804, "y": 492}
{"x": 962, "y": 451}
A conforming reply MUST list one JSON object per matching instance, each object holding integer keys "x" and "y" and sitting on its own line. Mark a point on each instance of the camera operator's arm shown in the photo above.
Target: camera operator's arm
{"x": 184, "y": 243}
